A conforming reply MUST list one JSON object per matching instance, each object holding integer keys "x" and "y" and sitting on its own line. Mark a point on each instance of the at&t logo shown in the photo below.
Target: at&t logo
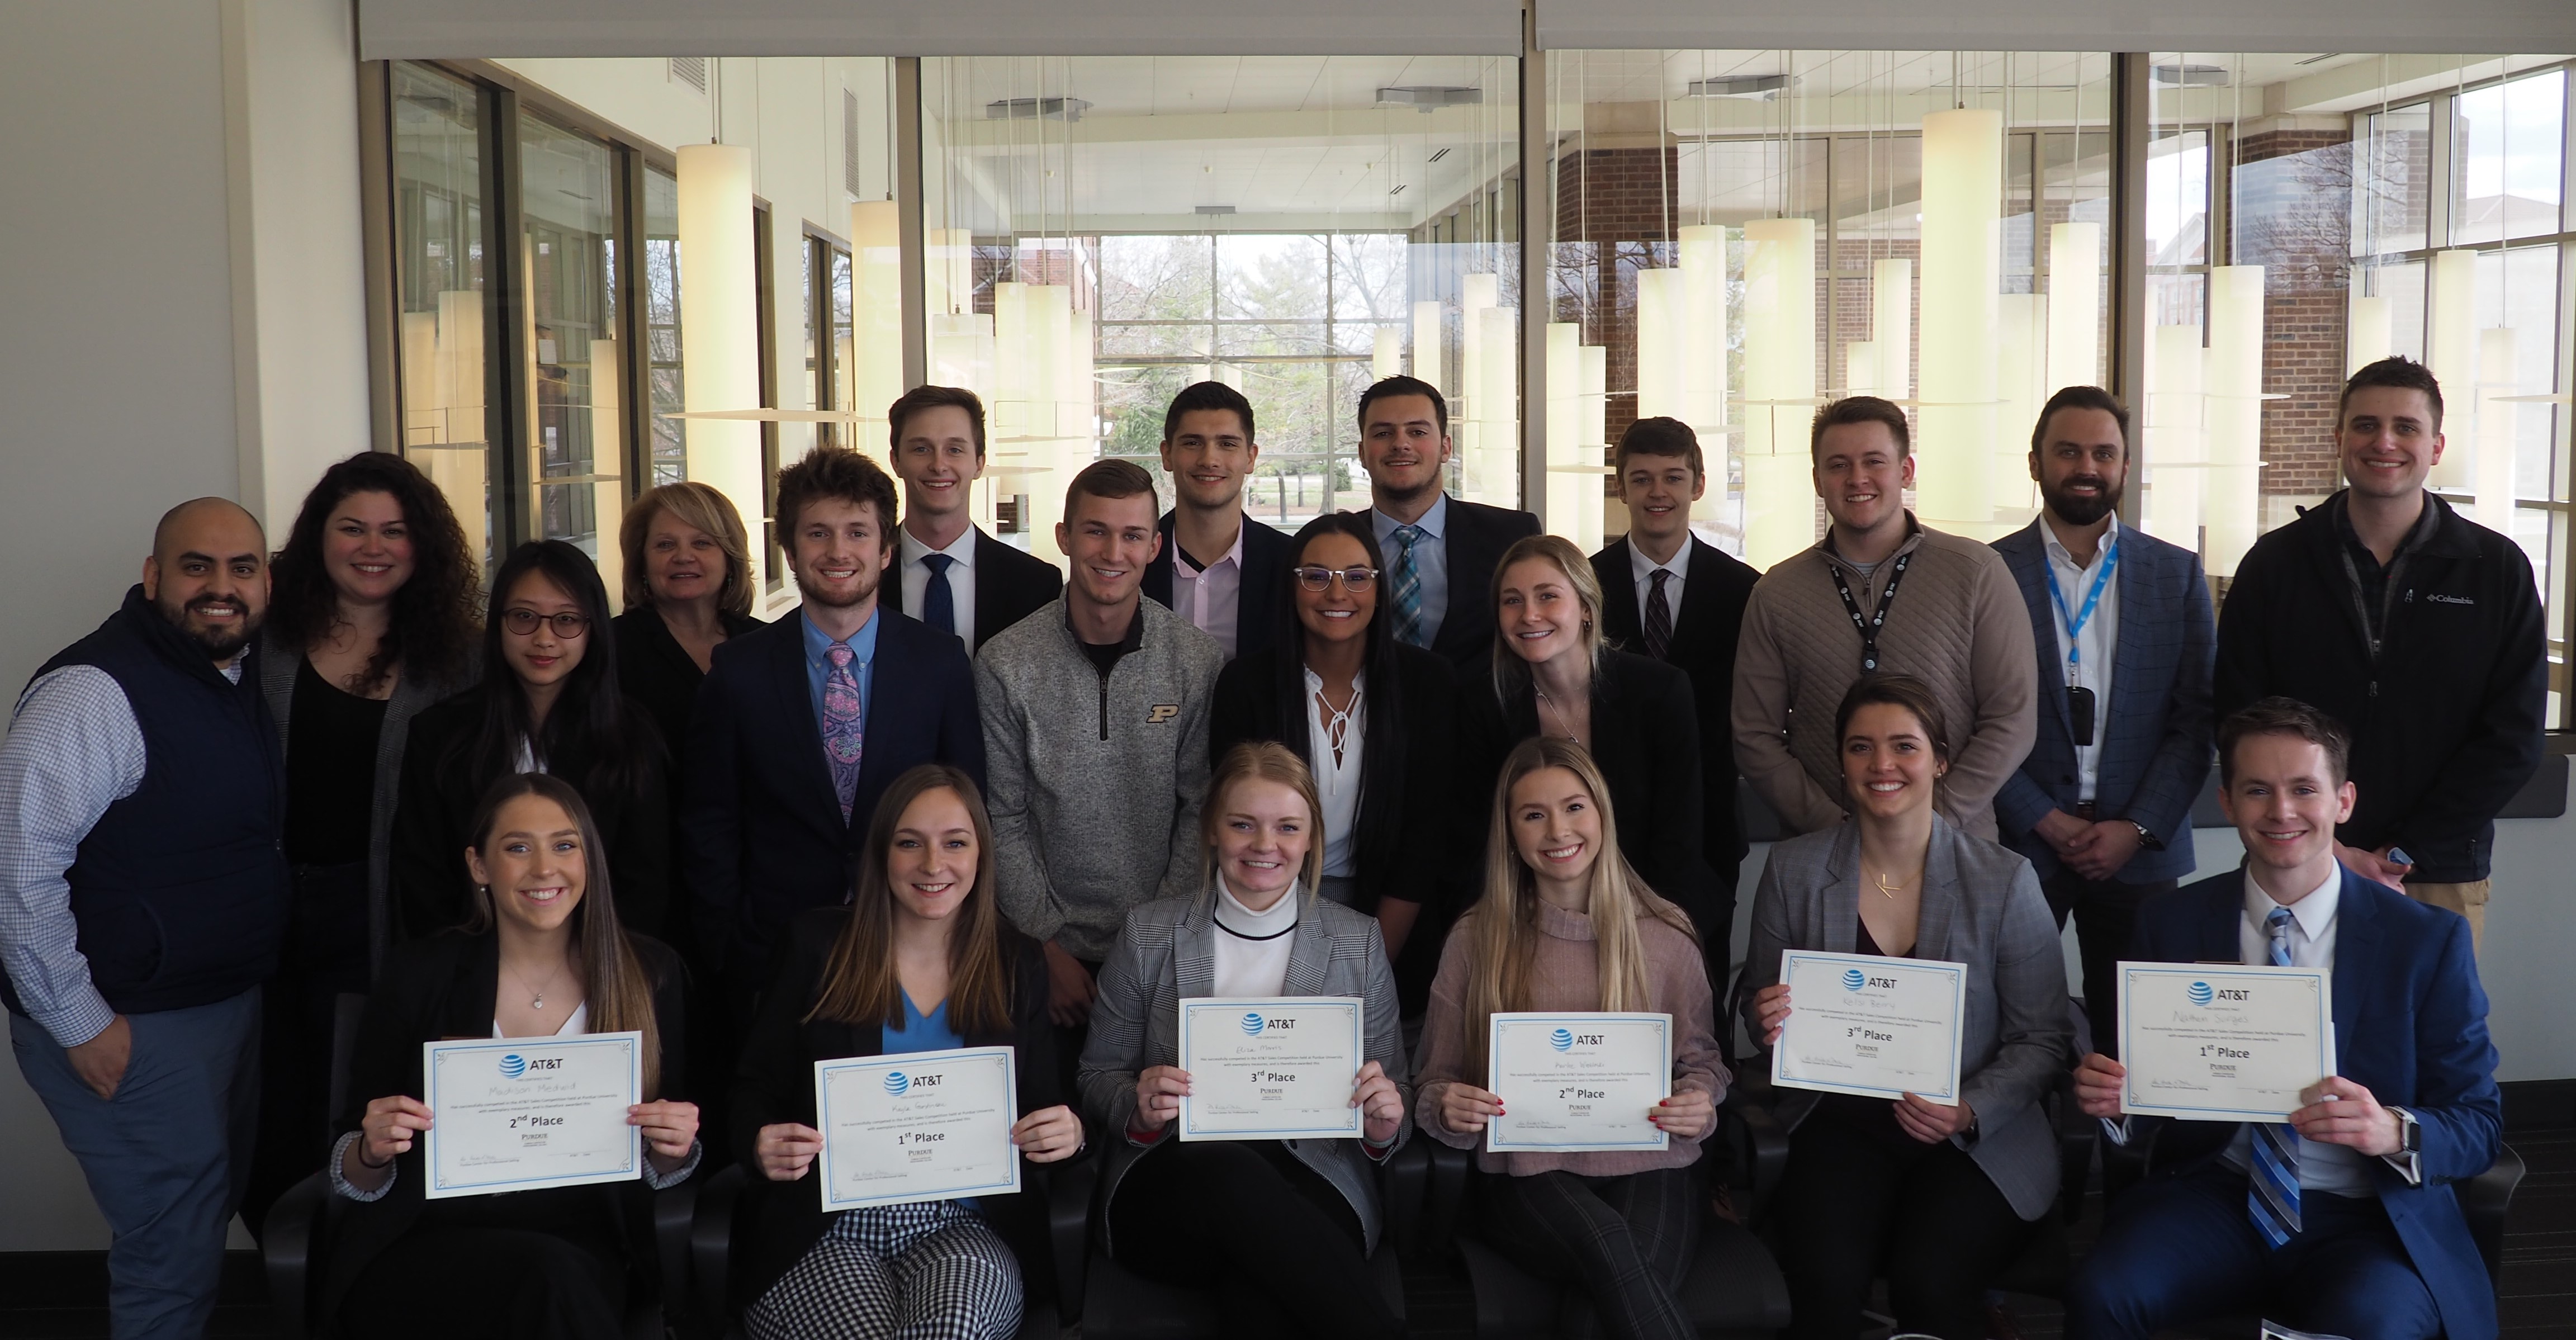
{"x": 2201, "y": 994}
{"x": 513, "y": 1066}
{"x": 1562, "y": 1039}
{"x": 897, "y": 1083}
{"x": 1251, "y": 1024}
{"x": 1854, "y": 980}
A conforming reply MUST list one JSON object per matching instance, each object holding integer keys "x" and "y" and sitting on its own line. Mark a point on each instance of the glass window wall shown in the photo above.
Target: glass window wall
{"x": 568, "y": 263}
{"x": 439, "y": 238}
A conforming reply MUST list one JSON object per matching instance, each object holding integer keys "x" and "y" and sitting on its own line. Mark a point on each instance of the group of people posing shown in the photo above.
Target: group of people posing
{"x": 1420, "y": 754}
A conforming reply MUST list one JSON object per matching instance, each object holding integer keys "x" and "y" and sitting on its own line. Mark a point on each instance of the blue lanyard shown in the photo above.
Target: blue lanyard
{"x": 2075, "y": 622}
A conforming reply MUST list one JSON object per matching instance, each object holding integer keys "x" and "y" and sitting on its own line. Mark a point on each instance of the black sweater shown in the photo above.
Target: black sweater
{"x": 2446, "y": 720}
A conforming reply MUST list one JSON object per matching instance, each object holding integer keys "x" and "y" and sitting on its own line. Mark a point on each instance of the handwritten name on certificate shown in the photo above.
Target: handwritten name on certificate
{"x": 1270, "y": 1067}
{"x": 1872, "y": 1026}
{"x": 917, "y": 1126}
{"x": 514, "y": 1114}
{"x": 1580, "y": 1081}
{"x": 2219, "y": 1043}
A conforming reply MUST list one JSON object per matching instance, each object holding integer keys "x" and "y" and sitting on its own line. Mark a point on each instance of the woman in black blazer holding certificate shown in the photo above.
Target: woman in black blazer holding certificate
{"x": 1941, "y": 1196}
{"x": 1281, "y": 1229}
{"x": 1552, "y": 675}
{"x": 921, "y": 929}
{"x": 542, "y": 955}
{"x": 1375, "y": 721}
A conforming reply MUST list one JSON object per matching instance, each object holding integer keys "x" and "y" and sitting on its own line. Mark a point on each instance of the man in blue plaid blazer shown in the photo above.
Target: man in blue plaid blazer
{"x": 2102, "y": 807}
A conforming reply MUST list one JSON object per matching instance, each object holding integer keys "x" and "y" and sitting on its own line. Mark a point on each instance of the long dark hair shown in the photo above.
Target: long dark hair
{"x": 859, "y": 983}
{"x": 614, "y": 985}
{"x": 1382, "y": 739}
{"x": 434, "y": 614}
{"x": 591, "y": 720}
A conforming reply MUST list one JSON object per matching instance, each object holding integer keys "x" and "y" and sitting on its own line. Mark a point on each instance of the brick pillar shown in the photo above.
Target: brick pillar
{"x": 2293, "y": 216}
{"x": 1614, "y": 207}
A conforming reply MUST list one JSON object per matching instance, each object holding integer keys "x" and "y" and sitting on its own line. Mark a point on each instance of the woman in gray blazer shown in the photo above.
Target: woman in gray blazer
{"x": 1940, "y": 1197}
{"x": 372, "y": 617}
{"x": 1280, "y": 1228}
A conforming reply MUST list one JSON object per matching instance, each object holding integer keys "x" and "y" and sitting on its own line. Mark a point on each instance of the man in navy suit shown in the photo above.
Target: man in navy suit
{"x": 802, "y": 723}
{"x": 1668, "y": 594}
{"x": 2345, "y": 1221}
{"x": 1218, "y": 568}
{"x": 1440, "y": 551}
{"x": 2121, "y": 621}
{"x": 948, "y": 573}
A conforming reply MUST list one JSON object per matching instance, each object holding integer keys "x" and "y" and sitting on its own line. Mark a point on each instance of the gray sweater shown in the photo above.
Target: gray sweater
{"x": 1094, "y": 785}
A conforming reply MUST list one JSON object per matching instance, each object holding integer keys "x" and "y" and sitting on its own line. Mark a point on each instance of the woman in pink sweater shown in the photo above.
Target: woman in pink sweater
{"x": 1565, "y": 924}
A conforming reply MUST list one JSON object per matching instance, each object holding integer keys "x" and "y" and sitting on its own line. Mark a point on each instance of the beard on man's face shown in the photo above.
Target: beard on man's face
{"x": 220, "y": 643}
{"x": 2080, "y": 509}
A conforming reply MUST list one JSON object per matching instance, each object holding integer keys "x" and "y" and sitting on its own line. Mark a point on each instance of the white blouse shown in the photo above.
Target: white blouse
{"x": 1337, "y": 739}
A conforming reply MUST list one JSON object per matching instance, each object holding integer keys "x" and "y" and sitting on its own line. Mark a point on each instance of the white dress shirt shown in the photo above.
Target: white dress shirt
{"x": 2098, "y": 644}
{"x": 961, "y": 579}
{"x": 1211, "y": 598}
{"x": 1252, "y": 947}
{"x": 1337, "y": 778}
{"x": 2336, "y": 1169}
{"x": 1645, "y": 568}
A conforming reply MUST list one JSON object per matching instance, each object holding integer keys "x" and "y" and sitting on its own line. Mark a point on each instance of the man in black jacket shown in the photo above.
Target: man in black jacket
{"x": 1440, "y": 551}
{"x": 1668, "y": 594}
{"x": 948, "y": 573}
{"x": 1218, "y": 568}
{"x": 2422, "y": 632}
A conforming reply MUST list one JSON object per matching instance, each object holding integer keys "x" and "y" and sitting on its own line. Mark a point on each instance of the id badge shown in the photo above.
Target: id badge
{"x": 2079, "y": 711}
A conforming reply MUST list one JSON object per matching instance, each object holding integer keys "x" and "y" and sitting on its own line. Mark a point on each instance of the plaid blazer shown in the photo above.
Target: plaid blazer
{"x": 1166, "y": 954}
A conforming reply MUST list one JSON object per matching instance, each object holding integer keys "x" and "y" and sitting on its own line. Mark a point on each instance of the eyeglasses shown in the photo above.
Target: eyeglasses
{"x": 567, "y": 624}
{"x": 1353, "y": 579}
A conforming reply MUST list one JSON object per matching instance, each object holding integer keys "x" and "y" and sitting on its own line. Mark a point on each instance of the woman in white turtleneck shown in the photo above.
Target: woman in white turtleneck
{"x": 1280, "y": 1229}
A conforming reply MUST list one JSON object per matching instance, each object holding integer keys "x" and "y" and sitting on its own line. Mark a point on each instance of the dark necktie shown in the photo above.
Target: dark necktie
{"x": 939, "y": 599}
{"x": 1659, "y": 617}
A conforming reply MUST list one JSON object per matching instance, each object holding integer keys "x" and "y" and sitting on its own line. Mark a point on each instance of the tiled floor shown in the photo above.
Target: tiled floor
{"x": 59, "y": 1296}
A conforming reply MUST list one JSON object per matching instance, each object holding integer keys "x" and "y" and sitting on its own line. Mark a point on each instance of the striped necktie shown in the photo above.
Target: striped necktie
{"x": 1406, "y": 583}
{"x": 2272, "y": 1196}
{"x": 1659, "y": 617}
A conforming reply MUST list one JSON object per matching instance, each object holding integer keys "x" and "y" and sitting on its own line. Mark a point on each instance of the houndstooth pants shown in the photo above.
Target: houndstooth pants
{"x": 927, "y": 1270}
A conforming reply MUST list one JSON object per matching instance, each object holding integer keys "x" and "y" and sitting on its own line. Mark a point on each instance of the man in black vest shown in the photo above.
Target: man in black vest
{"x": 143, "y": 897}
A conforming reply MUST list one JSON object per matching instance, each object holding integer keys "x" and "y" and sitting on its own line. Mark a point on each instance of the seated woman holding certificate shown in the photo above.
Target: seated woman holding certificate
{"x": 541, "y": 957}
{"x": 1949, "y": 1190}
{"x": 1280, "y": 1227}
{"x": 1566, "y": 924}
{"x": 919, "y": 961}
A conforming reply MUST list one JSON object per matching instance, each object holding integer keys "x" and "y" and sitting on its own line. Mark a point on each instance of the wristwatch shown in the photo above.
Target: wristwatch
{"x": 2410, "y": 1132}
{"x": 2145, "y": 838}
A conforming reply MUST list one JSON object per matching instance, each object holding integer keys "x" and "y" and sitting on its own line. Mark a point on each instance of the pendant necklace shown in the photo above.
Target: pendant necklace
{"x": 538, "y": 1002}
{"x": 1890, "y": 890}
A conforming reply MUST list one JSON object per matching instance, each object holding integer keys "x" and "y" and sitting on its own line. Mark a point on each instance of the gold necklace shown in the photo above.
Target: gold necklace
{"x": 1890, "y": 889}
{"x": 1553, "y": 710}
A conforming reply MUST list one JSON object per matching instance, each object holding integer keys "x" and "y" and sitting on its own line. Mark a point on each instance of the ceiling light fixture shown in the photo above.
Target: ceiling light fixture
{"x": 1036, "y": 109}
{"x": 1427, "y": 98}
{"x": 1763, "y": 86}
{"x": 2193, "y": 76}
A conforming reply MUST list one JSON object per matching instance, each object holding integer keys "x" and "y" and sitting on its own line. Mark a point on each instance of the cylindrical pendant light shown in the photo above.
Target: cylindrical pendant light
{"x": 1565, "y": 431}
{"x": 1891, "y": 299}
{"x": 2021, "y": 377}
{"x": 1426, "y": 344}
{"x": 1963, "y": 170}
{"x": 719, "y": 323}
{"x": 1703, "y": 371}
{"x": 2451, "y": 347}
{"x": 876, "y": 315}
{"x": 1779, "y": 387}
{"x": 1386, "y": 357}
{"x": 1662, "y": 348}
{"x": 2498, "y": 418}
{"x": 2174, "y": 456}
{"x": 2232, "y": 505}
{"x": 2074, "y": 307}
{"x": 2369, "y": 332}
{"x": 1498, "y": 399}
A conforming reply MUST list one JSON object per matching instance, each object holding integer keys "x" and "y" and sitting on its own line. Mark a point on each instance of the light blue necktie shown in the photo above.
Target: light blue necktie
{"x": 2272, "y": 1196}
{"x": 1406, "y": 583}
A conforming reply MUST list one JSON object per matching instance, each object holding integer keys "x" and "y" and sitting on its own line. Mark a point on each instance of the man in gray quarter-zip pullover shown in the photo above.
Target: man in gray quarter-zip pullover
{"x": 1095, "y": 738}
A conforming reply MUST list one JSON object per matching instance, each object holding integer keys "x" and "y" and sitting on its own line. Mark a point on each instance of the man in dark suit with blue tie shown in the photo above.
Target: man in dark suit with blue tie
{"x": 1441, "y": 552}
{"x": 948, "y": 573}
{"x": 802, "y": 723}
{"x": 2121, "y": 621}
{"x": 2344, "y": 1220}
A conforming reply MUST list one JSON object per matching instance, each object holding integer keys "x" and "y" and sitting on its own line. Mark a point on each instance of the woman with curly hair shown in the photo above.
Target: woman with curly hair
{"x": 373, "y": 616}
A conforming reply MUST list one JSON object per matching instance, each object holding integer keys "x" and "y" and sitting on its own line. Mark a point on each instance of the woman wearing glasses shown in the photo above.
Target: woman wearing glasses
{"x": 1551, "y": 675}
{"x": 1370, "y": 716}
{"x": 549, "y": 703}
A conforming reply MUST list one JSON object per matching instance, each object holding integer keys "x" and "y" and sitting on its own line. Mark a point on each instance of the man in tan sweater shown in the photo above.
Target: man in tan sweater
{"x": 1880, "y": 593}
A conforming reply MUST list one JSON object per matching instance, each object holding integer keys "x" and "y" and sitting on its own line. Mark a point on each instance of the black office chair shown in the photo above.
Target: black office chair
{"x": 1115, "y": 1303}
{"x": 1734, "y": 1290}
{"x": 720, "y": 1200}
{"x": 296, "y": 1238}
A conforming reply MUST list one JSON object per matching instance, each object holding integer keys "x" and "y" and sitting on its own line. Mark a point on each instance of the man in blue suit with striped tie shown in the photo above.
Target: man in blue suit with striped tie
{"x": 2343, "y": 1220}
{"x": 2121, "y": 620}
